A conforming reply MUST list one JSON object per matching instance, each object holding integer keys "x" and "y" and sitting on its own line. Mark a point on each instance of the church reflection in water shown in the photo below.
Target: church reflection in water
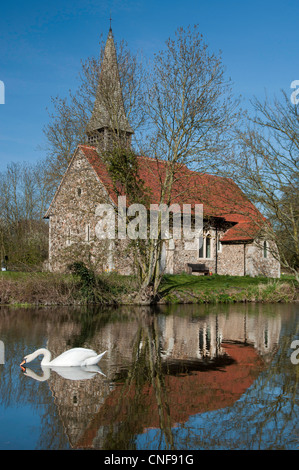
{"x": 159, "y": 371}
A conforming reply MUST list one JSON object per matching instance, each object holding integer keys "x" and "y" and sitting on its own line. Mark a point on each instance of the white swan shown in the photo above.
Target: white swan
{"x": 77, "y": 357}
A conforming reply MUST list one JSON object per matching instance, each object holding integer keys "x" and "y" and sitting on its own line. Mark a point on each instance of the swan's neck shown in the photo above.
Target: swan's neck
{"x": 43, "y": 351}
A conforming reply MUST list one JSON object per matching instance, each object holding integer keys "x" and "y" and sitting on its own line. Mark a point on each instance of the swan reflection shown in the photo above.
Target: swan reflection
{"x": 69, "y": 373}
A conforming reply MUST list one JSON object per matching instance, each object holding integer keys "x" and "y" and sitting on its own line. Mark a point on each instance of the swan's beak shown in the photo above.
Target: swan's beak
{"x": 22, "y": 363}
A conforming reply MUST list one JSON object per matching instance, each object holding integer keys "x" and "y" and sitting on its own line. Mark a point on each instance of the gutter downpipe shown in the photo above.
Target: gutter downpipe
{"x": 216, "y": 263}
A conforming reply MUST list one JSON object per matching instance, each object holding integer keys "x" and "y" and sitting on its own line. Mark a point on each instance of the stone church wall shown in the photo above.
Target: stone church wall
{"x": 234, "y": 259}
{"x": 72, "y": 225}
{"x": 257, "y": 264}
{"x": 73, "y": 236}
{"x": 231, "y": 260}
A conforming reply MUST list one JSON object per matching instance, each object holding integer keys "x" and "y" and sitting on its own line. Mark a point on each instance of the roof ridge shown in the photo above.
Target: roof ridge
{"x": 159, "y": 160}
{"x": 86, "y": 145}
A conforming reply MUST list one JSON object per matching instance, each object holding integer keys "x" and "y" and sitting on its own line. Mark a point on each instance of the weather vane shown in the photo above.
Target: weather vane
{"x": 110, "y": 20}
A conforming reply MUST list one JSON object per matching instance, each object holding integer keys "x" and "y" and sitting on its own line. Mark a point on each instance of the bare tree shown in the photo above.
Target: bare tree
{"x": 24, "y": 197}
{"x": 190, "y": 104}
{"x": 192, "y": 114}
{"x": 266, "y": 166}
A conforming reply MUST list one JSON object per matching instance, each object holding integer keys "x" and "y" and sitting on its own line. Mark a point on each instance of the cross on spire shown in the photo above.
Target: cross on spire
{"x": 110, "y": 35}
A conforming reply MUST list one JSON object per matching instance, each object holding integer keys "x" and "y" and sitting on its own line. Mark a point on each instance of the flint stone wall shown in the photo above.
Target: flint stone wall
{"x": 73, "y": 223}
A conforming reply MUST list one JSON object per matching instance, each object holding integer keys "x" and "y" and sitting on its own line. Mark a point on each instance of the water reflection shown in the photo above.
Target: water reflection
{"x": 69, "y": 373}
{"x": 163, "y": 369}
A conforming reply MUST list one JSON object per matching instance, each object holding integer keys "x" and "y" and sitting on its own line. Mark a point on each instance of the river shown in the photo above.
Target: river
{"x": 180, "y": 377}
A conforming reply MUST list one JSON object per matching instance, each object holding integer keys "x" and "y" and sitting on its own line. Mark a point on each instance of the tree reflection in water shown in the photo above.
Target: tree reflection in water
{"x": 216, "y": 377}
{"x": 159, "y": 393}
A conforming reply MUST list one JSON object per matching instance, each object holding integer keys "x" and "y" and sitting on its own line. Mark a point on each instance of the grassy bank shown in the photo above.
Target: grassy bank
{"x": 18, "y": 288}
{"x": 57, "y": 289}
{"x": 218, "y": 289}
{"x": 24, "y": 288}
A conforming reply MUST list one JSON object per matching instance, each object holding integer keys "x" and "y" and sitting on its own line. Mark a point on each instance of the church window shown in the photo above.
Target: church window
{"x": 201, "y": 243}
{"x": 265, "y": 249}
{"x": 219, "y": 245}
{"x": 208, "y": 247}
{"x": 79, "y": 191}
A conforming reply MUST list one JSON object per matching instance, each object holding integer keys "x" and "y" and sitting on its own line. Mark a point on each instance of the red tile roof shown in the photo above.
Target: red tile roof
{"x": 220, "y": 197}
{"x": 187, "y": 395}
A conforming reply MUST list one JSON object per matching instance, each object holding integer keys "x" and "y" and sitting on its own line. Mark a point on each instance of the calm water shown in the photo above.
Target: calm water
{"x": 180, "y": 377}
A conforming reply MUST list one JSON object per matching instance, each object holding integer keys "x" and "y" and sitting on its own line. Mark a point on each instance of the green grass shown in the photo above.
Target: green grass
{"x": 21, "y": 276}
{"x": 215, "y": 288}
{"x": 14, "y": 275}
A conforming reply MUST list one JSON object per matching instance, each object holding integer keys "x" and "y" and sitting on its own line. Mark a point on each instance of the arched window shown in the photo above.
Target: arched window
{"x": 265, "y": 249}
{"x": 205, "y": 250}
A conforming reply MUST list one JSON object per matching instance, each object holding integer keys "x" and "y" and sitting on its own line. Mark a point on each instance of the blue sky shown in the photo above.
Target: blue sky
{"x": 43, "y": 43}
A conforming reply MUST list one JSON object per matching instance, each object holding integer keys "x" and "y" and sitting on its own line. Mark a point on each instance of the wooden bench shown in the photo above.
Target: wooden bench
{"x": 198, "y": 269}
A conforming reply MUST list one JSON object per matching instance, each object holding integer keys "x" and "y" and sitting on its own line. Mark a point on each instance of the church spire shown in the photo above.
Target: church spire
{"x": 109, "y": 120}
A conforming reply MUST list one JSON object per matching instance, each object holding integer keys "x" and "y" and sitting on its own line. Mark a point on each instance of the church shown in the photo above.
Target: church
{"x": 232, "y": 241}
